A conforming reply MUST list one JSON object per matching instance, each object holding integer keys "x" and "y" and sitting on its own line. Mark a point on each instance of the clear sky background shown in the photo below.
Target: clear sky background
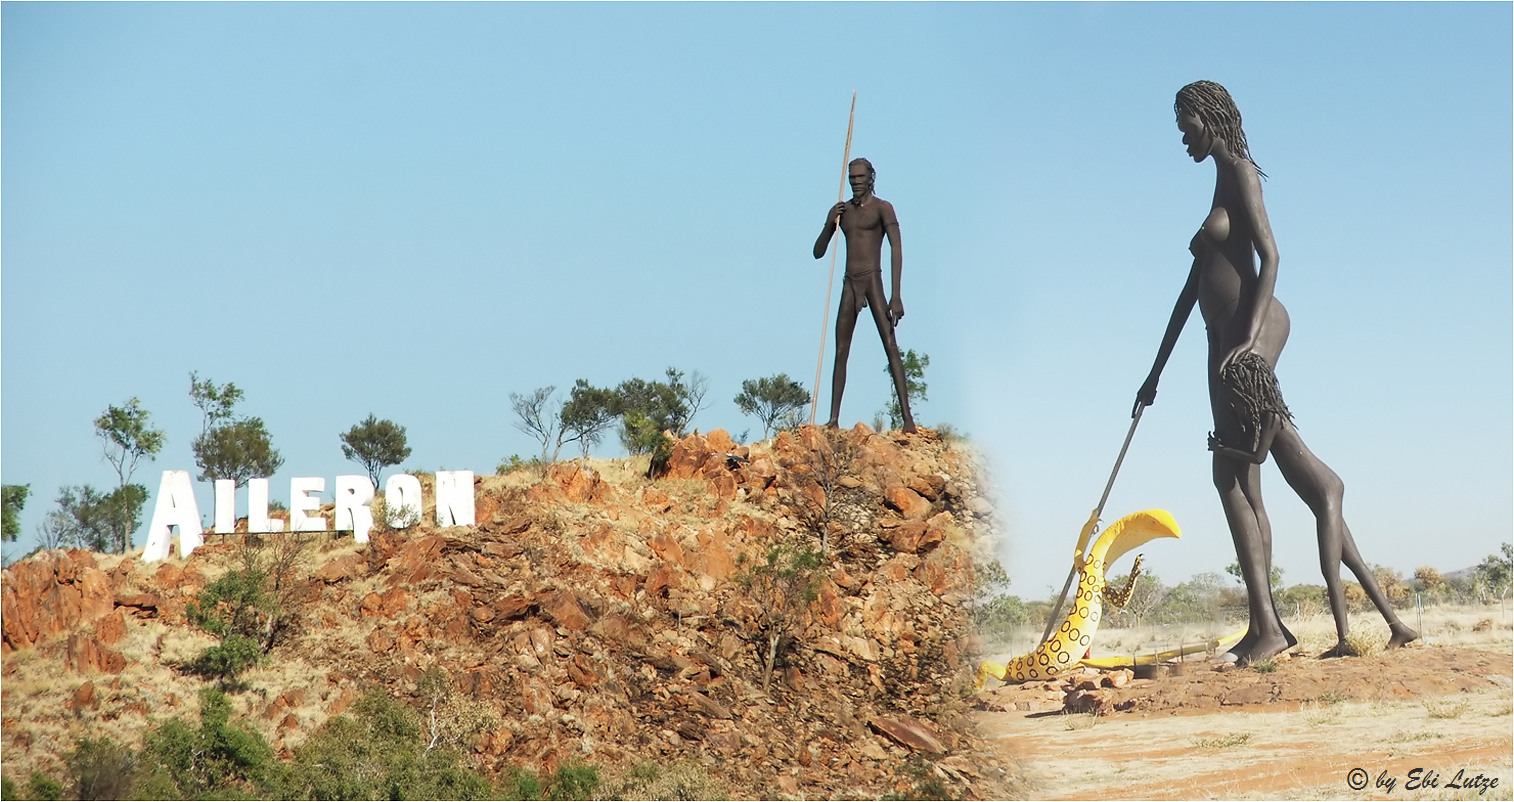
{"x": 415, "y": 209}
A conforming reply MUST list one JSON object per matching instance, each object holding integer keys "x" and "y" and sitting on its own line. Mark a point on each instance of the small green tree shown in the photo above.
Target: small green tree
{"x": 781, "y": 588}
{"x": 995, "y": 613}
{"x": 375, "y": 444}
{"x": 583, "y": 419}
{"x": 1146, "y": 595}
{"x": 242, "y": 609}
{"x": 228, "y": 447}
{"x": 772, "y": 399}
{"x": 90, "y": 519}
{"x": 13, "y": 498}
{"x": 914, "y": 384}
{"x": 589, "y": 412}
{"x": 648, "y": 408}
{"x": 1492, "y": 575}
{"x": 1431, "y": 582}
{"x": 1276, "y": 576}
{"x": 127, "y": 437}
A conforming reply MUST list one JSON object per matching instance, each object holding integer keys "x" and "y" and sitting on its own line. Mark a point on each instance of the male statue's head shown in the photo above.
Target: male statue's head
{"x": 861, "y": 175}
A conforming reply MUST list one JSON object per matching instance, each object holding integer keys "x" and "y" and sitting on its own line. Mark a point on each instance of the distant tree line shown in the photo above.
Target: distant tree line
{"x": 1212, "y": 596}
{"x": 235, "y": 446}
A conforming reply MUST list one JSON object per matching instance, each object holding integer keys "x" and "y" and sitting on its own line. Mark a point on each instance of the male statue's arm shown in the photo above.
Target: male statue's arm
{"x": 1147, "y": 395}
{"x": 896, "y": 261}
{"x": 823, "y": 242}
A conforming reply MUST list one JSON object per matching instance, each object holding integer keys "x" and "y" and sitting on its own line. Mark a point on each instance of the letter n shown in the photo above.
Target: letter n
{"x": 454, "y": 498}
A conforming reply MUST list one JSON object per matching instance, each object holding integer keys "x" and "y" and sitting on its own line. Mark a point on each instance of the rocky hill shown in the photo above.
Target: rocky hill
{"x": 592, "y": 616}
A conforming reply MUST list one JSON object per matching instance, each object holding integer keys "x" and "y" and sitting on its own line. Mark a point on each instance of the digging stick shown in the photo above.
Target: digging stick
{"x": 1091, "y": 526}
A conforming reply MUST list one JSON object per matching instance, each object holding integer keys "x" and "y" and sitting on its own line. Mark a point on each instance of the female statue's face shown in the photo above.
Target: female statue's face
{"x": 1196, "y": 136}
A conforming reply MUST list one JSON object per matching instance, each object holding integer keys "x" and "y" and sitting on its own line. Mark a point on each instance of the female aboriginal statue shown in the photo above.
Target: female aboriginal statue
{"x": 1234, "y": 271}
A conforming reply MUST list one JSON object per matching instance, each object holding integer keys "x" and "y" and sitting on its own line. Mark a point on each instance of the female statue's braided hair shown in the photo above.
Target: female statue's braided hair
{"x": 1215, "y": 108}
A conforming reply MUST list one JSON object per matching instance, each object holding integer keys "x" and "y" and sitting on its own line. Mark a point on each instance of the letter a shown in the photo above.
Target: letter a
{"x": 175, "y": 507}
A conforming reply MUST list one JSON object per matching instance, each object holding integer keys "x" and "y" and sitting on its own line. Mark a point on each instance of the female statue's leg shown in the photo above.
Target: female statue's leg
{"x": 1323, "y": 491}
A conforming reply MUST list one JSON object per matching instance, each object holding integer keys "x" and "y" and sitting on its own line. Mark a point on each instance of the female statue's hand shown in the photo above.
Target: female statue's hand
{"x": 1237, "y": 352}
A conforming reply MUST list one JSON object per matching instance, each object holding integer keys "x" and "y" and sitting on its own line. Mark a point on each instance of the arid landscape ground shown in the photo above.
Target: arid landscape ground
{"x": 1410, "y": 720}
{"x": 598, "y": 615}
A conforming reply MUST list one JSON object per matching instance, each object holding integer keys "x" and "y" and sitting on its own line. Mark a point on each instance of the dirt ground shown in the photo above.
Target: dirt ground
{"x": 1410, "y": 721}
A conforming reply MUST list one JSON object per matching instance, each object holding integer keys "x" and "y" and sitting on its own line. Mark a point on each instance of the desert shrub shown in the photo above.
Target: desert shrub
{"x": 403, "y": 517}
{"x": 248, "y": 607}
{"x": 519, "y": 783}
{"x": 574, "y": 781}
{"x": 220, "y": 758}
{"x": 683, "y": 780}
{"x": 99, "y": 768}
{"x": 237, "y": 608}
{"x": 226, "y": 660}
{"x": 514, "y": 463}
{"x": 378, "y": 753}
{"x": 41, "y": 786}
{"x": 1363, "y": 644}
{"x": 926, "y": 785}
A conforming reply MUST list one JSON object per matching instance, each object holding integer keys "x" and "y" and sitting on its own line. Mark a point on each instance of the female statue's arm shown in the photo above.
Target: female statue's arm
{"x": 1271, "y": 423}
{"x": 1260, "y": 296}
{"x": 1147, "y": 395}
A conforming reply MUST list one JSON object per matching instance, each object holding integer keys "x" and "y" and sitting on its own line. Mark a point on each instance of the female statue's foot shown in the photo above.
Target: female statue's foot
{"x": 1255, "y": 648}
{"x": 1401, "y": 635}
{"x": 833, "y": 424}
{"x": 1342, "y": 649}
{"x": 1261, "y": 649}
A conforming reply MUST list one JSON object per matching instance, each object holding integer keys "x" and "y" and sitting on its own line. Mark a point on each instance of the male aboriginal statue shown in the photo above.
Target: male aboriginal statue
{"x": 865, "y": 220}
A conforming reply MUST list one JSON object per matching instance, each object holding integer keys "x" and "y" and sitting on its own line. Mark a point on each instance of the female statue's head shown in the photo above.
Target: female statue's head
{"x": 1213, "y": 107}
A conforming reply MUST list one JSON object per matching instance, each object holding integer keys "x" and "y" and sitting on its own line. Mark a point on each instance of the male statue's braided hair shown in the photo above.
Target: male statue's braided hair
{"x": 1214, "y": 107}
{"x": 872, "y": 174}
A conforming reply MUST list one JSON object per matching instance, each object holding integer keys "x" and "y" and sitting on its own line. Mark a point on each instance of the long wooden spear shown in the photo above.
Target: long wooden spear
{"x": 825, "y": 317}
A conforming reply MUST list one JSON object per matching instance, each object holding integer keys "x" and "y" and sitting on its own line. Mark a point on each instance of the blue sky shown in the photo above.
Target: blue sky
{"x": 414, "y": 210}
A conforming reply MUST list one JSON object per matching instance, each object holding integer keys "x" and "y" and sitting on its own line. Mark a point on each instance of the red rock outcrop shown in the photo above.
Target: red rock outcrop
{"x": 625, "y": 615}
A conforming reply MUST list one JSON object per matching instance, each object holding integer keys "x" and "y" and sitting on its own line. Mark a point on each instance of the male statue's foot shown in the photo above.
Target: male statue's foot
{"x": 833, "y": 424}
{"x": 909, "y": 427}
{"x": 1401, "y": 635}
{"x": 1341, "y": 649}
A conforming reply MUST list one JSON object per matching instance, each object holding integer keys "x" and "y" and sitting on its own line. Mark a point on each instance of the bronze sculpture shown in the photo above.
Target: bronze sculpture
{"x": 1247, "y": 328}
{"x": 866, "y": 220}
